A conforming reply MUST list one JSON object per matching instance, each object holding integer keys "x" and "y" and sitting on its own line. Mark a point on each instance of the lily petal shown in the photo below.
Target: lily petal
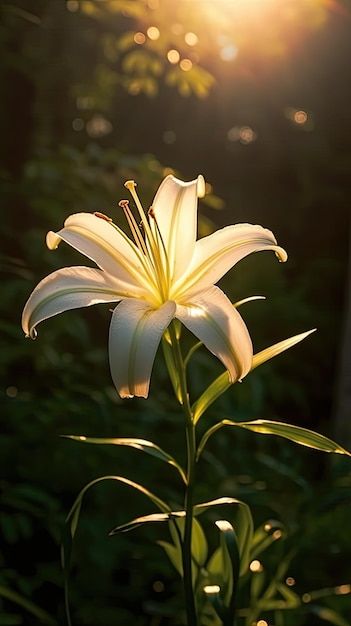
{"x": 213, "y": 319}
{"x": 103, "y": 243}
{"x": 135, "y": 332}
{"x": 69, "y": 288}
{"x": 175, "y": 210}
{"x": 216, "y": 254}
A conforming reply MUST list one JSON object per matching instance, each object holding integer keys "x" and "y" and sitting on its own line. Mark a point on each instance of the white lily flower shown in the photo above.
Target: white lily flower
{"x": 163, "y": 274}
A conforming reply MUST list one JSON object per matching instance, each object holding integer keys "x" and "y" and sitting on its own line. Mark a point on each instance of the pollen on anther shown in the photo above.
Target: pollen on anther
{"x": 151, "y": 212}
{"x": 102, "y": 216}
{"x": 130, "y": 184}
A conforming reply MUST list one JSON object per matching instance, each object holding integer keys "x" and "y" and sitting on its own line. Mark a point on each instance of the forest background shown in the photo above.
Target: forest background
{"x": 256, "y": 97}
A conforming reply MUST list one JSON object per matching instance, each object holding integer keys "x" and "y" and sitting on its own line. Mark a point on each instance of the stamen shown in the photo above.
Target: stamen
{"x": 153, "y": 248}
{"x": 124, "y": 204}
{"x": 102, "y": 216}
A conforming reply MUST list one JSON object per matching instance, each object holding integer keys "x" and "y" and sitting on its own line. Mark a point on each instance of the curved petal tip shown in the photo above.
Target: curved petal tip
{"x": 281, "y": 254}
{"x": 201, "y": 186}
{"x": 52, "y": 240}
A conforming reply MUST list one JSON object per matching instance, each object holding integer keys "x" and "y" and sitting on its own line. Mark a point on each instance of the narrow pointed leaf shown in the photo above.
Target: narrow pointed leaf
{"x": 73, "y": 516}
{"x": 214, "y": 391}
{"x": 172, "y": 370}
{"x": 297, "y": 434}
{"x": 222, "y": 382}
{"x": 250, "y": 299}
{"x": 277, "y": 348}
{"x": 192, "y": 351}
{"x": 230, "y": 550}
{"x": 146, "y": 519}
{"x": 138, "y": 444}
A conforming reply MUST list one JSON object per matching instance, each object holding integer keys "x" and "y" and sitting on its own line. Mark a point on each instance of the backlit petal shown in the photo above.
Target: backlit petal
{"x": 70, "y": 288}
{"x": 135, "y": 333}
{"x": 216, "y": 254}
{"x": 212, "y": 318}
{"x": 175, "y": 209}
{"x": 101, "y": 242}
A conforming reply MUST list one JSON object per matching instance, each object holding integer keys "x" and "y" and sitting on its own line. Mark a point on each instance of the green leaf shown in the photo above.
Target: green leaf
{"x": 174, "y": 555}
{"x": 172, "y": 370}
{"x": 146, "y": 519}
{"x": 73, "y": 516}
{"x": 214, "y": 391}
{"x": 138, "y": 444}
{"x": 192, "y": 351}
{"x": 245, "y": 300}
{"x": 278, "y": 348}
{"x": 199, "y": 547}
{"x": 242, "y": 522}
{"x": 222, "y": 383}
{"x": 230, "y": 551}
{"x": 297, "y": 434}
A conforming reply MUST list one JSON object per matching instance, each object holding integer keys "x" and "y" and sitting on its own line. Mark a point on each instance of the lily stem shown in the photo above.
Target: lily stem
{"x": 191, "y": 460}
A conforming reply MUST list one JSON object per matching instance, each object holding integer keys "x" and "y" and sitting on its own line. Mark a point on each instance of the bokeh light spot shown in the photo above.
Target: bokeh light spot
{"x": 173, "y": 56}
{"x": 139, "y": 38}
{"x": 290, "y": 581}
{"x": 186, "y": 65}
{"x": 342, "y": 590}
{"x": 256, "y": 566}
{"x": 153, "y": 33}
{"x": 300, "y": 117}
{"x": 191, "y": 39}
{"x": 247, "y": 135}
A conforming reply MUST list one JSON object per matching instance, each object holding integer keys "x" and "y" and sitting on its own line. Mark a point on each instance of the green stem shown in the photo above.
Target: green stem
{"x": 191, "y": 454}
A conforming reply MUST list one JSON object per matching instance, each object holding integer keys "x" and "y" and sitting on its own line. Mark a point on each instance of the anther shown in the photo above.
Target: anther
{"x": 130, "y": 184}
{"x": 151, "y": 212}
{"x": 124, "y": 204}
{"x": 102, "y": 216}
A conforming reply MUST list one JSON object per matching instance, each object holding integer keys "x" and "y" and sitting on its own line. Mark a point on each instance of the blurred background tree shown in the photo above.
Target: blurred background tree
{"x": 255, "y": 95}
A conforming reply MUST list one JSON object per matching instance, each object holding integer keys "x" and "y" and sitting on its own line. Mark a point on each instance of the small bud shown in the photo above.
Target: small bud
{"x": 102, "y": 216}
